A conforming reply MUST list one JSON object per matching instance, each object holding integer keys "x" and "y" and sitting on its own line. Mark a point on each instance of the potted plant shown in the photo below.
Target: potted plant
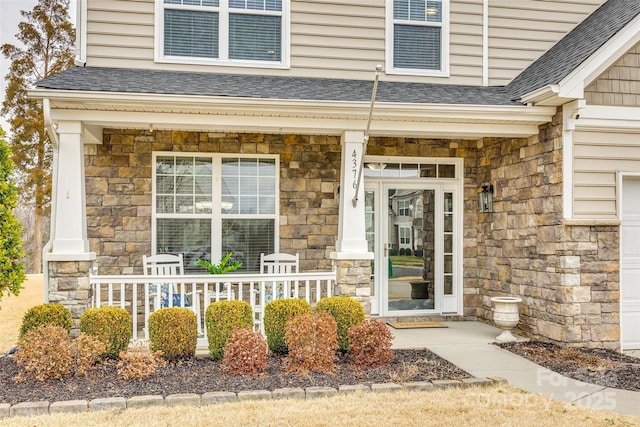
{"x": 224, "y": 266}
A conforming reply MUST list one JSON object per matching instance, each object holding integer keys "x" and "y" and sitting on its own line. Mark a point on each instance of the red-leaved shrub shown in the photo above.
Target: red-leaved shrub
{"x": 45, "y": 352}
{"x": 139, "y": 362}
{"x": 370, "y": 344}
{"x": 88, "y": 350}
{"x": 312, "y": 340}
{"x": 246, "y": 352}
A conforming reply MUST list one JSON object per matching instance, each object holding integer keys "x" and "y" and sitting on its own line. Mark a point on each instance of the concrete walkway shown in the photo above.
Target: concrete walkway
{"x": 469, "y": 346}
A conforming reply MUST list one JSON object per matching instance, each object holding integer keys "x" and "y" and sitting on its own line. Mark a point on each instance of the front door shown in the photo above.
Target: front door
{"x": 413, "y": 230}
{"x": 630, "y": 264}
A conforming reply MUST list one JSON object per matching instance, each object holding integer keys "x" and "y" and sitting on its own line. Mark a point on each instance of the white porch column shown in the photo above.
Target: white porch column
{"x": 69, "y": 199}
{"x": 352, "y": 241}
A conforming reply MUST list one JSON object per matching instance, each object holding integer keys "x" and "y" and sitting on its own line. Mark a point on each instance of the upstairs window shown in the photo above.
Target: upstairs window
{"x": 225, "y": 32}
{"x": 418, "y": 37}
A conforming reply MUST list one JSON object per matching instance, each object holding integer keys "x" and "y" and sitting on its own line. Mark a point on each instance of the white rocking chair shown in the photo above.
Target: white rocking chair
{"x": 276, "y": 263}
{"x": 164, "y": 294}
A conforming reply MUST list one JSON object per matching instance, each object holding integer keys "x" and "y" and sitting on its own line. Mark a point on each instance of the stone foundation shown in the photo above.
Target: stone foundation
{"x": 69, "y": 286}
{"x": 353, "y": 278}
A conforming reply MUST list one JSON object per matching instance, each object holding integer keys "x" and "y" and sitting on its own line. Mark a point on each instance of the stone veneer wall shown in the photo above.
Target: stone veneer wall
{"x": 118, "y": 185}
{"x": 567, "y": 274}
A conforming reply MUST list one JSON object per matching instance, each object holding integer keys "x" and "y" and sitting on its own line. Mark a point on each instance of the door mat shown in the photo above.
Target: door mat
{"x": 416, "y": 325}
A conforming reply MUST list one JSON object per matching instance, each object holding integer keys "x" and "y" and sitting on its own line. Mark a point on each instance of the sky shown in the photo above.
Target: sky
{"x": 9, "y": 19}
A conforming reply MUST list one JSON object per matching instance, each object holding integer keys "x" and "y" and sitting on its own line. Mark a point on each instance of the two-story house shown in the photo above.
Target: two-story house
{"x": 206, "y": 126}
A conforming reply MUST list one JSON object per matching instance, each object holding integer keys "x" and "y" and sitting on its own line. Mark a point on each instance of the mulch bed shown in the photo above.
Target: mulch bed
{"x": 598, "y": 366}
{"x": 200, "y": 375}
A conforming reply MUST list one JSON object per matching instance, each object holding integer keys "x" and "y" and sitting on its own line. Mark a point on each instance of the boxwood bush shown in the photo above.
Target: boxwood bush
{"x": 276, "y": 315}
{"x": 221, "y": 318}
{"x": 111, "y": 325}
{"x": 174, "y": 332}
{"x": 346, "y": 311}
{"x": 46, "y": 314}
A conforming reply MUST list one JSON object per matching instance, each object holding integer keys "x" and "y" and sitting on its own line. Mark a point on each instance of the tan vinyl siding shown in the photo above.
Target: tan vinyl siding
{"x": 120, "y": 33}
{"x": 597, "y": 157}
{"x": 333, "y": 39}
{"x": 620, "y": 84}
{"x": 346, "y": 39}
{"x": 521, "y": 31}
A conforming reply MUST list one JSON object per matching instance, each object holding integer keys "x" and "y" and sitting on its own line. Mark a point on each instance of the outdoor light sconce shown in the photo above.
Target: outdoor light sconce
{"x": 485, "y": 197}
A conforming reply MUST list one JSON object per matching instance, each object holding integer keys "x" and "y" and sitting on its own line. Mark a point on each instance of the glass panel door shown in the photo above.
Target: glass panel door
{"x": 409, "y": 249}
{"x": 372, "y": 227}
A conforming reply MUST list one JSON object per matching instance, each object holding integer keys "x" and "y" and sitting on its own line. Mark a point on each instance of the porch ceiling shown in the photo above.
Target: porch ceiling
{"x": 98, "y": 110}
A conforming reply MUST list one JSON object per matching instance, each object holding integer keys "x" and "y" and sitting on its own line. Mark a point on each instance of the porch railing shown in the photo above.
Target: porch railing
{"x": 140, "y": 295}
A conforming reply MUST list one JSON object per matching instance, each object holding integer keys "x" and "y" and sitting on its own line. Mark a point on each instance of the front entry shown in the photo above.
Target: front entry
{"x": 414, "y": 229}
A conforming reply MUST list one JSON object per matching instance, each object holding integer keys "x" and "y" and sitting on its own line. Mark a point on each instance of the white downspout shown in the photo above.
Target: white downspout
{"x": 53, "y": 136}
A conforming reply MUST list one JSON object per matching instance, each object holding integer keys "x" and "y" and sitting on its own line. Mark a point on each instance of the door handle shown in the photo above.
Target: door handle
{"x": 386, "y": 250}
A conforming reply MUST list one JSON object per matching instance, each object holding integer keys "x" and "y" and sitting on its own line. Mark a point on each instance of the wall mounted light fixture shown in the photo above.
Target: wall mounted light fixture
{"x": 485, "y": 198}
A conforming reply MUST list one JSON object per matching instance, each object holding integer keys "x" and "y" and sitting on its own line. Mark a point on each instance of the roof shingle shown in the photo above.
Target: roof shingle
{"x": 574, "y": 48}
{"x": 268, "y": 87}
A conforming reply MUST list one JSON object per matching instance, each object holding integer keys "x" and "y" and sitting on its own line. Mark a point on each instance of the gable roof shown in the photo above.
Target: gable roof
{"x": 574, "y": 48}
{"x": 268, "y": 87}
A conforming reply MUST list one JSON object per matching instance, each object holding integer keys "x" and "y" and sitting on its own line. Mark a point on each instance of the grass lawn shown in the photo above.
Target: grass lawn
{"x": 494, "y": 406}
{"x": 12, "y": 308}
{"x": 406, "y": 260}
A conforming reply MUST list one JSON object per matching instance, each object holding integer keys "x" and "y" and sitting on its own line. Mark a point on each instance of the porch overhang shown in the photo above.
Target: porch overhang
{"x": 98, "y": 110}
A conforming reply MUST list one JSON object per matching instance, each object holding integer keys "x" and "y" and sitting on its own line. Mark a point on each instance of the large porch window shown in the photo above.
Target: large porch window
{"x": 208, "y": 205}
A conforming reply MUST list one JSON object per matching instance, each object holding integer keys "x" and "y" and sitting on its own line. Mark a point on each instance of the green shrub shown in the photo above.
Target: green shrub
{"x": 45, "y": 352}
{"x": 221, "y": 318}
{"x": 393, "y": 252}
{"x": 370, "y": 344}
{"x": 46, "y": 314}
{"x": 174, "y": 332}
{"x": 346, "y": 311}
{"x": 245, "y": 353}
{"x": 276, "y": 315}
{"x": 11, "y": 253}
{"x": 111, "y": 325}
{"x": 312, "y": 340}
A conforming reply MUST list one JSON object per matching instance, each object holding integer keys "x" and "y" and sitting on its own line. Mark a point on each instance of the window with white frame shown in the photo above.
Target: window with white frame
{"x": 241, "y": 32}
{"x": 207, "y": 206}
{"x": 404, "y": 208}
{"x": 418, "y": 37}
{"x": 405, "y": 236}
